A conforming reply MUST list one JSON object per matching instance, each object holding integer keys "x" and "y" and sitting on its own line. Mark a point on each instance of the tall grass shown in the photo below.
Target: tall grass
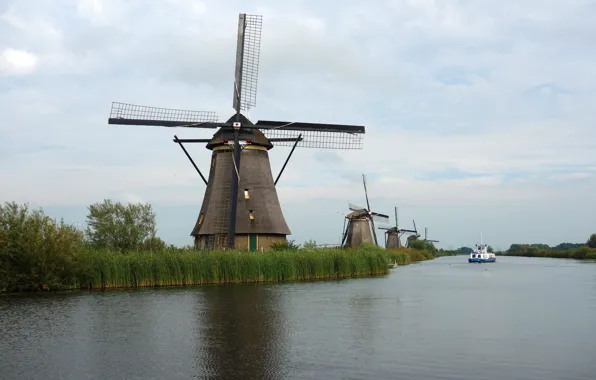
{"x": 95, "y": 269}
{"x": 182, "y": 268}
{"x": 38, "y": 253}
{"x": 178, "y": 268}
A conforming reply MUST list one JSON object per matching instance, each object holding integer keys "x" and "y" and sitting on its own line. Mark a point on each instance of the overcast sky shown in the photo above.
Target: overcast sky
{"x": 479, "y": 114}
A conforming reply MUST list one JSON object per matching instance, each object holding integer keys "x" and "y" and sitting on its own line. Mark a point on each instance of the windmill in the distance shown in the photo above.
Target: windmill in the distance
{"x": 414, "y": 236}
{"x": 393, "y": 234}
{"x": 361, "y": 223}
{"x": 241, "y": 208}
{"x": 426, "y": 236}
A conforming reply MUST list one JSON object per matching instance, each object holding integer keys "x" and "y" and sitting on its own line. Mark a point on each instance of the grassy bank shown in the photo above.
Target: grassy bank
{"x": 175, "y": 268}
{"x": 92, "y": 269}
{"x": 582, "y": 253}
{"x": 40, "y": 253}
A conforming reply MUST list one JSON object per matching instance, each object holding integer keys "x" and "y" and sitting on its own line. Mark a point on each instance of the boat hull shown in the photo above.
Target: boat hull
{"x": 481, "y": 260}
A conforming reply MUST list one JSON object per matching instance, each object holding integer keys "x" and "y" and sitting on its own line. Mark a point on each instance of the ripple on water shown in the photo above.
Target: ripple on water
{"x": 521, "y": 318}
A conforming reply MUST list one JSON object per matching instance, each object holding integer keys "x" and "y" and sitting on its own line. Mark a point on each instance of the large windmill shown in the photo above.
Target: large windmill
{"x": 241, "y": 208}
{"x": 360, "y": 223}
{"x": 393, "y": 234}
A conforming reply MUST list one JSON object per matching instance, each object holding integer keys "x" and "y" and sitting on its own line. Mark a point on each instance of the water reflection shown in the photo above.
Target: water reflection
{"x": 36, "y": 335}
{"x": 361, "y": 308}
{"x": 242, "y": 333}
{"x": 424, "y": 322}
{"x": 139, "y": 331}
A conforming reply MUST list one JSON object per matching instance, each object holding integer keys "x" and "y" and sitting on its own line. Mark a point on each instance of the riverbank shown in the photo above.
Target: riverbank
{"x": 93, "y": 269}
{"x": 119, "y": 248}
{"x": 582, "y": 253}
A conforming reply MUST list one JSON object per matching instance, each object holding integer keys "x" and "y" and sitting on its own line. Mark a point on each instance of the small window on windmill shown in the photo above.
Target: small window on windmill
{"x": 251, "y": 214}
{"x": 246, "y": 195}
{"x": 201, "y": 218}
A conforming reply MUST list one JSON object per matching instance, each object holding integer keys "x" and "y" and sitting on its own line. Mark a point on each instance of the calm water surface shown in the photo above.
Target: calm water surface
{"x": 445, "y": 319}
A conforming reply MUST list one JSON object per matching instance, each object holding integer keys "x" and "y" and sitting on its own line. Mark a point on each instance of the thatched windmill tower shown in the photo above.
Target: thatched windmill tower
{"x": 360, "y": 223}
{"x": 393, "y": 234}
{"x": 240, "y": 208}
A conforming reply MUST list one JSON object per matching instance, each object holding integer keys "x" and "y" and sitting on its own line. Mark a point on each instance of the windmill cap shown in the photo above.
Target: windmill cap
{"x": 250, "y": 135}
{"x": 357, "y": 214}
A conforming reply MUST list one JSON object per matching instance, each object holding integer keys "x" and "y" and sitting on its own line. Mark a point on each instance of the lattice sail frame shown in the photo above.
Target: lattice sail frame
{"x": 317, "y": 139}
{"x": 126, "y": 111}
{"x": 250, "y": 61}
{"x": 383, "y": 219}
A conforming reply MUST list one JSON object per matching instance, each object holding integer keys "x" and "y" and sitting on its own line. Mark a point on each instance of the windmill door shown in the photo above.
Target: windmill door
{"x": 252, "y": 242}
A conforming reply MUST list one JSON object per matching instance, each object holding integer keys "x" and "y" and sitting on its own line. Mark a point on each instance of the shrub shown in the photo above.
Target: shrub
{"x": 36, "y": 252}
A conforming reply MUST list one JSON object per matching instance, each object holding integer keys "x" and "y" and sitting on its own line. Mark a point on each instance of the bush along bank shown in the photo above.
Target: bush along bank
{"x": 38, "y": 253}
{"x": 582, "y": 253}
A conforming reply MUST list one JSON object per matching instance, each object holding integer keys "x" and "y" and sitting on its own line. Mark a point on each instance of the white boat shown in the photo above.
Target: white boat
{"x": 480, "y": 254}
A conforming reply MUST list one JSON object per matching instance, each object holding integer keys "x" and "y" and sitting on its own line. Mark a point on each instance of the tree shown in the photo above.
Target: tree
{"x": 309, "y": 244}
{"x": 118, "y": 227}
{"x": 567, "y": 246}
{"x": 36, "y": 251}
{"x": 423, "y": 245}
{"x": 490, "y": 249}
{"x": 517, "y": 248}
{"x": 592, "y": 241}
{"x": 285, "y": 246}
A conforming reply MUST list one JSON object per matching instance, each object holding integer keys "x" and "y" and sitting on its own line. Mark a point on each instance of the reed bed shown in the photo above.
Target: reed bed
{"x": 582, "y": 253}
{"x": 38, "y": 253}
{"x": 107, "y": 270}
{"x": 86, "y": 268}
{"x": 405, "y": 256}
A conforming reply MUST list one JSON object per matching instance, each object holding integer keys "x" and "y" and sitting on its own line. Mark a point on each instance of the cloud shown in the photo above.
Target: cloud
{"x": 17, "y": 62}
{"x": 468, "y": 106}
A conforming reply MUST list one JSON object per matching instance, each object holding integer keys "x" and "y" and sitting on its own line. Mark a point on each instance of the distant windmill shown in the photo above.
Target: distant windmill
{"x": 360, "y": 223}
{"x": 426, "y": 236}
{"x": 413, "y": 237}
{"x": 241, "y": 208}
{"x": 393, "y": 234}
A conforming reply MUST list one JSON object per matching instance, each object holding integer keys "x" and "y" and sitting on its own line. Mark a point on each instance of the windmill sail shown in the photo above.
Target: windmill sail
{"x": 380, "y": 218}
{"x": 133, "y": 114}
{"x": 246, "y": 73}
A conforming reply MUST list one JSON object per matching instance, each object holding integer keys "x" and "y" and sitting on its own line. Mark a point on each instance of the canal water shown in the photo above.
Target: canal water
{"x": 519, "y": 318}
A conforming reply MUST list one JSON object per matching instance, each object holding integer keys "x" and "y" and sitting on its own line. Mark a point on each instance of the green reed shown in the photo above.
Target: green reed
{"x": 183, "y": 268}
{"x": 40, "y": 253}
